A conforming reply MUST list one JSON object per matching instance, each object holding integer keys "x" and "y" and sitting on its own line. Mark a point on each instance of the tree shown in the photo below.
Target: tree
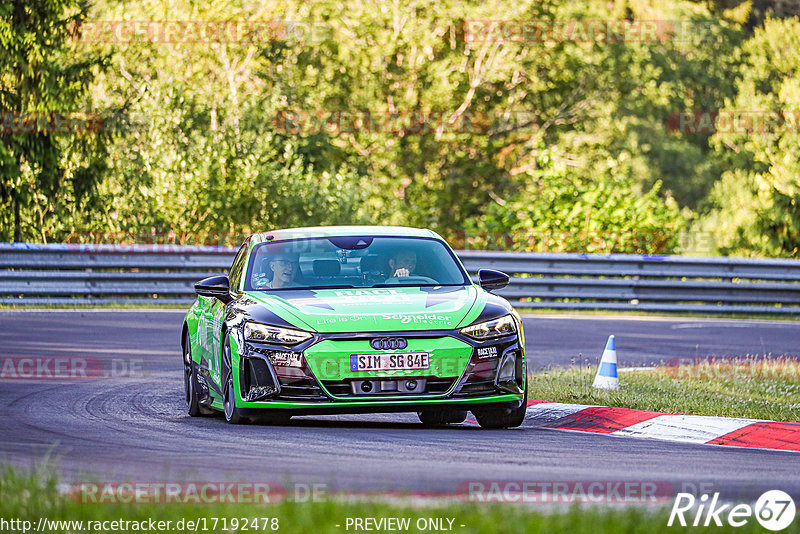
{"x": 49, "y": 161}
{"x": 469, "y": 125}
{"x": 755, "y": 208}
{"x": 560, "y": 212}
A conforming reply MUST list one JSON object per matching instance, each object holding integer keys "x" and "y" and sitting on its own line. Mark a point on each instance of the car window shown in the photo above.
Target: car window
{"x": 235, "y": 272}
{"x": 353, "y": 261}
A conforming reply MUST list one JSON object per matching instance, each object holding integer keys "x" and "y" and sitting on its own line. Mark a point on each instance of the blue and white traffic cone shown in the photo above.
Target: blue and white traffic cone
{"x": 607, "y": 372}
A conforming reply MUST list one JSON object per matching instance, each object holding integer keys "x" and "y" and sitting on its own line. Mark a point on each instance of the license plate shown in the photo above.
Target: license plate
{"x": 394, "y": 361}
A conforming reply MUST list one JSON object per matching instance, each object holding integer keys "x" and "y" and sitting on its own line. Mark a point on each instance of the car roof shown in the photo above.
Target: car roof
{"x": 328, "y": 231}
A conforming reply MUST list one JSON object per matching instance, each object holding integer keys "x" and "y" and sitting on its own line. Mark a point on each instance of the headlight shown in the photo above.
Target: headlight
{"x": 272, "y": 334}
{"x": 491, "y": 329}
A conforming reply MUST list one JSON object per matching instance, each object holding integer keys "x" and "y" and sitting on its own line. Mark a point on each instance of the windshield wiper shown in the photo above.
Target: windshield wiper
{"x": 309, "y": 288}
{"x": 340, "y": 286}
{"x": 415, "y": 285}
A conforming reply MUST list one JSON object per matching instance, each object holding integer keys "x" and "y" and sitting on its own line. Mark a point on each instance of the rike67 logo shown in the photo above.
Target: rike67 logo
{"x": 774, "y": 510}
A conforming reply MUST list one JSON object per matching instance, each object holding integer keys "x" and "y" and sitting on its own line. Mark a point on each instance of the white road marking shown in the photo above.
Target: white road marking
{"x": 686, "y": 428}
{"x": 748, "y": 324}
{"x": 552, "y": 411}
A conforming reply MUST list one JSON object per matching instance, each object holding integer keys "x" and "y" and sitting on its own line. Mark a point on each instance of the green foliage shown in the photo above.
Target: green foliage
{"x": 565, "y": 139}
{"x": 755, "y": 208}
{"x": 183, "y": 180}
{"x": 206, "y": 158}
{"x": 44, "y": 174}
{"x": 558, "y": 213}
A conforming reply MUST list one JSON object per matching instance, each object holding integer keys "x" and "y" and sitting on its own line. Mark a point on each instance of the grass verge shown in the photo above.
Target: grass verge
{"x": 31, "y": 497}
{"x": 749, "y": 388}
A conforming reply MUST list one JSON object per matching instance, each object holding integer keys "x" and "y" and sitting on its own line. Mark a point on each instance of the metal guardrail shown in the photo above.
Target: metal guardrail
{"x": 90, "y": 274}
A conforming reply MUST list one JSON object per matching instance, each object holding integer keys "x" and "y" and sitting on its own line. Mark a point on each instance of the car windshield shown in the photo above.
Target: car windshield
{"x": 353, "y": 262}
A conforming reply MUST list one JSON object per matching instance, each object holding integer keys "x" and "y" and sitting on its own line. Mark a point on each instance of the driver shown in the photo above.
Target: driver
{"x": 285, "y": 269}
{"x": 402, "y": 263}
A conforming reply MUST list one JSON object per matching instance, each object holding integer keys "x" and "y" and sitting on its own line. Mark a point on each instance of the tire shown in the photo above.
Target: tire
{"x": 441, "y": 417}
{"x": 503, "y": 417}
{"x": 233, "y": 413}
{"x": 194, "y": 408}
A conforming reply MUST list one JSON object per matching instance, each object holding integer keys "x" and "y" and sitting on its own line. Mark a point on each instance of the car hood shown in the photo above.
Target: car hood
{"x": 375, "y": 309}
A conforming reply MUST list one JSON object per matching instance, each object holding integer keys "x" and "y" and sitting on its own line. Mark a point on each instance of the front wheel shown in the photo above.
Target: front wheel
{"x": 502, "y": 417}
{"x": 190, "y": 385}
{"x": 233, "y": 414}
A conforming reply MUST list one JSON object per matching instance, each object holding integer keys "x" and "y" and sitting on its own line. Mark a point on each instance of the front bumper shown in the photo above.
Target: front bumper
{"x": 462, "y": 372}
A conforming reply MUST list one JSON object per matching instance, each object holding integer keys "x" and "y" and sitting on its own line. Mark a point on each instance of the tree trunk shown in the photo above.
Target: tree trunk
{"x": 17, "y": 224}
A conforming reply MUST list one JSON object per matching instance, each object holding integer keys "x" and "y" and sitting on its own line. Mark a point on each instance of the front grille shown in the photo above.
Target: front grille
{"x": 483, "y": 386}
{"x": 433, "y": 386}
{"x": 296, "y": 383}
{"x": 258, "y": 382}
{"x": 305, "y": 388}
{"x": 480, "y": 377}
{"x": 439, "y": 385}
{"x": 337, "y": 388}
{"x": 482, "y": 370}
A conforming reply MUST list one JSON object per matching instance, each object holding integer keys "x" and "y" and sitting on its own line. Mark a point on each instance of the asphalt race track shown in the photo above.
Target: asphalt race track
{"x": 133, "y": 425}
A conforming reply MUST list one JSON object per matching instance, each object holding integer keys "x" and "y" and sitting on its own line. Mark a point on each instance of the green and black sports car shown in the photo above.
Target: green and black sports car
{"x": 355, "y": 319}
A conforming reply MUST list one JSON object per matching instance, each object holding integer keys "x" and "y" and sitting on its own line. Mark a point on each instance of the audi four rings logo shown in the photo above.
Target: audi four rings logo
{"x": 388, "y": 343}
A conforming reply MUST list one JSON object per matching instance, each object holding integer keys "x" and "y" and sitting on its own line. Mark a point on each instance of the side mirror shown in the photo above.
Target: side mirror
{"x": 490, "y": 279}
{"x": 216, "y": 287}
